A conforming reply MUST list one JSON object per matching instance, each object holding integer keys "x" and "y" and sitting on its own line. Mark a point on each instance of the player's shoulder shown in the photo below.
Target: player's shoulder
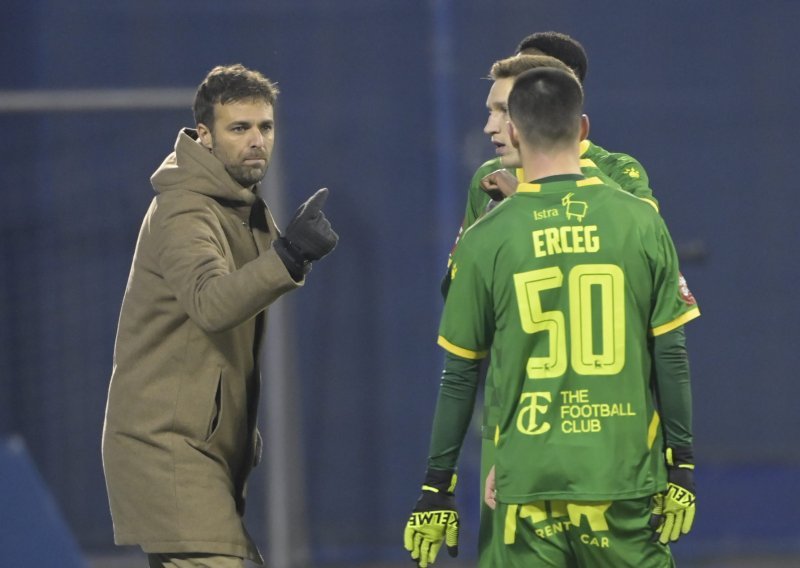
{"x": 623, "y": 169}
{"x": 623, "y": 202}
{"x": 484, "y": 229}
{"x": 486, "y": 168}
{"x": 592, "y": 150}
{"x": 601, "y": 156}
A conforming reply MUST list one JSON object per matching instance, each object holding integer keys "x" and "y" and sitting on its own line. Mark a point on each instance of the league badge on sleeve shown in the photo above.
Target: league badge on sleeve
{"x": 685, "y": 293}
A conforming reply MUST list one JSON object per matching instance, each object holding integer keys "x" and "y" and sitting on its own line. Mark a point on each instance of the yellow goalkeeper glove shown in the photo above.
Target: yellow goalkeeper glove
{"x": 673, "y": 511}
{"x": 434, "y": 520}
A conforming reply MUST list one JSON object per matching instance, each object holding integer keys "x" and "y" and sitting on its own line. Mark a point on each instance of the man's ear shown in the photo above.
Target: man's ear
{"x": 584, "y": 126}
{"x": 512, "y": 134}
{"x": 204, "y": 134}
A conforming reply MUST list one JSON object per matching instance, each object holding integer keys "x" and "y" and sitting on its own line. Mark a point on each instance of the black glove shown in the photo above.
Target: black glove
{"x": 673, "y": 511}
{"x": 434, "y": 519}
{"x": 308, "y": 237}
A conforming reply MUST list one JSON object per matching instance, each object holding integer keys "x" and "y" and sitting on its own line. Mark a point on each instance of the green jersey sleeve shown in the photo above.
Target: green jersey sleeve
{"x": 672, "y": 379}
{"x": 454, "y": 406}
{"x": 477, "y": 203}
{"x": 466, "y": 327}
{"x": 465, "y": 333}
{"x": 674, "y": 303}
{"x": 623, "y": 169}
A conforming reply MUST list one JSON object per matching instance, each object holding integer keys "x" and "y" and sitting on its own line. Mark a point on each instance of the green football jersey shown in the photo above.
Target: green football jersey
{"x": 562, "y": 284}
{"x": 613, "y": 168}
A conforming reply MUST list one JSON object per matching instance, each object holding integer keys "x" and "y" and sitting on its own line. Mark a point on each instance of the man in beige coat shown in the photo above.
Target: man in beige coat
{"x": 180, "y": 434}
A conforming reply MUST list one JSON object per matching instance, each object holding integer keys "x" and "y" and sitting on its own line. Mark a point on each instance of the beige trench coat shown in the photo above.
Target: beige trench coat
{"x": 180, "y": 432}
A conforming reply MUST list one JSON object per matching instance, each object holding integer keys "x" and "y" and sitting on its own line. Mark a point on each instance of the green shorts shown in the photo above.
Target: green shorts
{"x": 562, "y": 534}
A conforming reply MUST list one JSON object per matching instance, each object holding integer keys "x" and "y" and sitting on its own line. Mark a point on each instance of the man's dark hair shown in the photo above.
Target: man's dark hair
{"x": 558, "y": 45}
{"x": 545, "y": 106}
{"x": 230, "y": 83}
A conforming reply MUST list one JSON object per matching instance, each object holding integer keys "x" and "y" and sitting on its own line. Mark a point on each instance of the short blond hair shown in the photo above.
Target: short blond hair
{"x": 513, "y": 66}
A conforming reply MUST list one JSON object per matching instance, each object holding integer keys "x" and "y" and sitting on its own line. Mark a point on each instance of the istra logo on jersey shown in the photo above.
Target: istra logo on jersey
{"x": 683, "y": 290}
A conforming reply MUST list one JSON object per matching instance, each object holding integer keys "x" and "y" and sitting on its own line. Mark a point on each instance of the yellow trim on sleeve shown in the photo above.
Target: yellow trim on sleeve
{"x": 460, "y": 351}
{"x": 652, "y": 430}
{"x": 676, "y": 323}
{"x": 587, "y": 163}
{"x": 584, "y": 146}
{"x": 650, "y": 202}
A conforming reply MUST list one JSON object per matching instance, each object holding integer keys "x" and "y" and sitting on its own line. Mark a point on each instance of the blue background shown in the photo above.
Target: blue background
{"x": 383, "y": 102}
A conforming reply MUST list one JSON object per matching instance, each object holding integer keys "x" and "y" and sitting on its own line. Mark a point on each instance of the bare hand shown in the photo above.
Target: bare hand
{"x": 489, "y": 491}
{"x": 499, "y": 184}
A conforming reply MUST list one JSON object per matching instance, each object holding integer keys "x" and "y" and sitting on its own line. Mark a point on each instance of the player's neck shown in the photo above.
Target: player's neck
{"x": 538, "y": 164}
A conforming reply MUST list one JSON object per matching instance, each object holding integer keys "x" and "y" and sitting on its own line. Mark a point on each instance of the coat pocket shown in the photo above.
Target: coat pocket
{"x": 215, "y": 415}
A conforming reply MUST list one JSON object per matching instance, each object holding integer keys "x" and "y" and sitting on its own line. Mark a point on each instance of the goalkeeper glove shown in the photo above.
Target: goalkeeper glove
{"x": 434, "y": 519}
{"x": 673, "y": 511}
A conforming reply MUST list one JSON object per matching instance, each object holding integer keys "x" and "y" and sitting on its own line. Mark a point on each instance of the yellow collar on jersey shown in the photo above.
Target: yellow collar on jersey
{"x": 537, "y": 187}
{"x": 586, "y": 162}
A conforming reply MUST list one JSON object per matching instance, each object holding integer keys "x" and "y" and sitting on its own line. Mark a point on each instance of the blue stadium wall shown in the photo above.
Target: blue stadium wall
{"x": 383, "y": 102}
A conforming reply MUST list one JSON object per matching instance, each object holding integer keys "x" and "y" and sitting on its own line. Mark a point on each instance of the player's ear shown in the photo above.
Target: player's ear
{"x": 584, "y": 126}
{"x": 204, "y": 134}
{"x": 512, "y": 134}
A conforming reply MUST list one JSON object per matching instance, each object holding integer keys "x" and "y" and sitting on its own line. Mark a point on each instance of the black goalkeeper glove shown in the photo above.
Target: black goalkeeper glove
{"x": 434, "y": 519}
{"x": 673, "y": 511}
{"x": 308, "y": 237}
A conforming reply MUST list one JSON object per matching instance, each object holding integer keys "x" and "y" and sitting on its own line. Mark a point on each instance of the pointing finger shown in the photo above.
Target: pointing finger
{"x": 316, "y": 201}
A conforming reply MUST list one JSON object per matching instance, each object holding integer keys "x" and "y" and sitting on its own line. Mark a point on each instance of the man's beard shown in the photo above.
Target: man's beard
{"x": 246, "y": 176}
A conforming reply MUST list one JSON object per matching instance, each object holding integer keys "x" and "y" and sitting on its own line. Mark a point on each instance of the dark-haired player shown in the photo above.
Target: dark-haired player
{"x": 572, "y": 288}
